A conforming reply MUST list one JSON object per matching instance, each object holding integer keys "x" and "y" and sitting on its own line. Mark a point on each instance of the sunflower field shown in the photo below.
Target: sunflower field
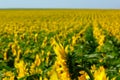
{"x": 58, "y": 44}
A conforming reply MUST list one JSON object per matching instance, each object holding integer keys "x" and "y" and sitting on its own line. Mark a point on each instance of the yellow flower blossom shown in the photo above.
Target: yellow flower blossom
{"x": 100, "y": 74}
{"x": 5, "y": 56}
{"x": 37, "y": 60}
{"x": 60, "y": 64}
{"x": 21, "y": 68}
{"x": 8, "y": 76}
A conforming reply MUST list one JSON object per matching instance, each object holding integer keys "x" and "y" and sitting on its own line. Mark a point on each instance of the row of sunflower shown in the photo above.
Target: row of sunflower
{"x": 59, "y": 45}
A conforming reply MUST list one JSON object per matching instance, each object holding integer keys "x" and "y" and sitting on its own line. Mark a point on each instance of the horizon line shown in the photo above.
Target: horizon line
{"x": 63, "y": 8}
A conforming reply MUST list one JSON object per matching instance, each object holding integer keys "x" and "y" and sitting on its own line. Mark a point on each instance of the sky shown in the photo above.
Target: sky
{"x": 104, "y": 4}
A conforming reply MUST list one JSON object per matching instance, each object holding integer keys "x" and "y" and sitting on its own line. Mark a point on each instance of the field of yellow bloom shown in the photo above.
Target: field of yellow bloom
{"x": 59, "y": 44}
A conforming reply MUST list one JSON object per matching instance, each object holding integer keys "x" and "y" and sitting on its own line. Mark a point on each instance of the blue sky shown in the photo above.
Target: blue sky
{"x": 114, "y": 4}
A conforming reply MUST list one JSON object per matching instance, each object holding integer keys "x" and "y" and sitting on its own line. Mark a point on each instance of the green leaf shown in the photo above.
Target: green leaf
{"x": 117, "y": 78}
